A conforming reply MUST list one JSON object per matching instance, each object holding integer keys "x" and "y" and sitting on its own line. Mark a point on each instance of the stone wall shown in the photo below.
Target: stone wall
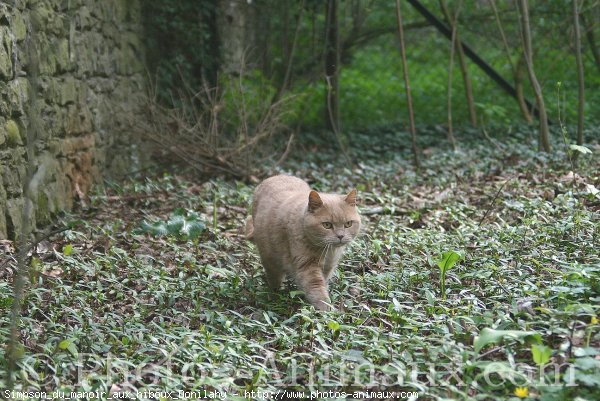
{"x": 72, "y": 82}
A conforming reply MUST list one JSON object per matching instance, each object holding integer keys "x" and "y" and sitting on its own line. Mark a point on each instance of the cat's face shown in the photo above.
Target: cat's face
{"x": 332, "y": 220}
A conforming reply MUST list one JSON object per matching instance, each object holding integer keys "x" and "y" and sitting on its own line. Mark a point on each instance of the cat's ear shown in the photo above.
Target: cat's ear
{"x": 314, "y": 201}
{"x": 351, "y": 197}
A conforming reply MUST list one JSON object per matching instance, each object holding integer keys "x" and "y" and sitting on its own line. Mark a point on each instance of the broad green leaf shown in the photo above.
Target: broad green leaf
{"x": 592, "y": 189}
{"x": 587, "y": 351}
{"x": 587, "y": 363}
{"x": 67, "y": 249}
{"x": 333, "y": 325}
{"x": 175, "y": 224}
{"x": 430, "y": 297}
{"x": 589, "y": 379}
{"x": 180, "y": 223}
{"x": 448, "y": 260}
{"x": 195, "y": 228}
{"x": 580, "y": 149}
{"x": 179, "y": 212}
{"x": 160, "y": 229}
{"x": 143, "y": 228}
{"x": 541, "y": 354}
{"x": 503, "y": 370}
{"x": 68, "y": 345}
{"x": 72, "y": 349}
{"x": 491, "y": 336}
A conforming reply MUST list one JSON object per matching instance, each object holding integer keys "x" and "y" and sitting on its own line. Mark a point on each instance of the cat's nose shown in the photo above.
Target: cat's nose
{"x": 340, "y": 237}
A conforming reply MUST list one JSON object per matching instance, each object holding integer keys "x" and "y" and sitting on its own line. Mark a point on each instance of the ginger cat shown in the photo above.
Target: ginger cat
{"x": 301, "y": 233}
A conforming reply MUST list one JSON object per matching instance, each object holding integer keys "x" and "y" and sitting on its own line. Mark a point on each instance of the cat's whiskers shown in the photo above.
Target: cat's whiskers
{"x": 324, "y": 253}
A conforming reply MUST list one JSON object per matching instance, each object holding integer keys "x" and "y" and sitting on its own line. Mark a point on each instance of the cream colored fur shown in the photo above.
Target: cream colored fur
{"x": 301, "y": 233}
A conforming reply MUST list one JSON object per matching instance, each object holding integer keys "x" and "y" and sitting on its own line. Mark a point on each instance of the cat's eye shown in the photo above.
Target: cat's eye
{"x": 327, "y": 225}
{"x": 348, "y": 224}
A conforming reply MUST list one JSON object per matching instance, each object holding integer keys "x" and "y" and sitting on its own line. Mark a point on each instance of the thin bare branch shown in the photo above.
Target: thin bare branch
{"x": 411, "y": 116}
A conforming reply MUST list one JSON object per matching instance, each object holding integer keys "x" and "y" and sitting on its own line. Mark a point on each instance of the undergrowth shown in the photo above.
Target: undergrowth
{"x": 132, "y": 301}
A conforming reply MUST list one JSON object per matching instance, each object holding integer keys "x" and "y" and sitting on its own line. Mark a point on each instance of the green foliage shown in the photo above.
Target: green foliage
{"x": 490, "y": 336}
{"x": 181, "y": 45}
{"x": 581, "y": 149}
{"x": 183, "y": 48}
{"x": 541, "y": 354}
{"x": 197, "y": 313}
{"x": 181, "y": 224}
{"x": 446, "y": 262}
{"x": 68, "y": 345}
{"x": 68, "y": 249}
{"x": 245, "y": 100}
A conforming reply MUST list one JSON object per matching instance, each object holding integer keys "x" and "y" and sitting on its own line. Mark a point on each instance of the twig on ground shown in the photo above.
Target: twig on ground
{"x": 491, "y": 205}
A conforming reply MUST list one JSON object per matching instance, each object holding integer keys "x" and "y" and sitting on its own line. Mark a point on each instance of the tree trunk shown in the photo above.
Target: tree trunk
{"x": 580, "y": 79}
{"x": 475, "y": 58}
{"x": 517, "y": 69}
{"x": 518, "y": 77}
{"x": 453, "y": 24}
{"x": 210, "y": 69}
{"x": 453, "y": 47}
{"x": 411, "y": 117}
{"x": 332, "y": 61}
{"x": 544, "y": 140}
{"x": 289, "y": 62}
{"x": 264, "y": 37}
{"x": 589, "y": 33}
{"x": 236, "y": 31}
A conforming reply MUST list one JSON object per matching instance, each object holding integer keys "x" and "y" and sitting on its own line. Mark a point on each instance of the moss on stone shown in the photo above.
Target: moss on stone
{"x": 13, "y": 133}
{"x": 6, "y": 70}
{"x": 42, "y": 211}
{"x": 3, "y": 136}
{"x": 18, "y": 27}
{"x": 62, "y": 55}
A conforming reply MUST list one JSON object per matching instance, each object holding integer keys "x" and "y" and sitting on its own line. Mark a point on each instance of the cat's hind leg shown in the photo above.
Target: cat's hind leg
{"x": 275, "y": 274}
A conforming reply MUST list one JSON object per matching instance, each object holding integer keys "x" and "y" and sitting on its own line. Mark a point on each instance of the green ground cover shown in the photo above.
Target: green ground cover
{"x": 156, "y": 288}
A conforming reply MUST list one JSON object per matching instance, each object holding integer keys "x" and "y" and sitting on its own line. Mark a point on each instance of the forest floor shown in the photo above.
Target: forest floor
{"x": 156, "y": 289}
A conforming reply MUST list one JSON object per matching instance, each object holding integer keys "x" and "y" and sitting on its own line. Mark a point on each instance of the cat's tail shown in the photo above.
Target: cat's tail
{"x": 249, "y": 228}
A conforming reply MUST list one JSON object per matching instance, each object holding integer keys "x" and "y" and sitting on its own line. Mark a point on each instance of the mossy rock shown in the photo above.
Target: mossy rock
{"x": 42, "y": 209}
{"x": 13, "y": 133}
{"x": 18, "y": 27}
